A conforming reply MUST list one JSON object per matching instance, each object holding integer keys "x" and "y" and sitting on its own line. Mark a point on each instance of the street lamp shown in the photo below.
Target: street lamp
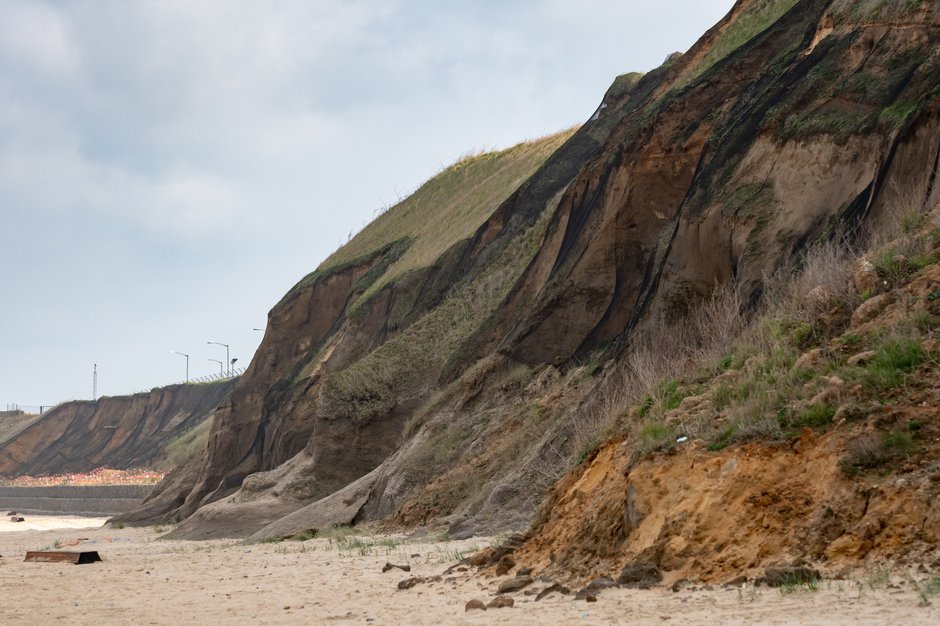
{"x": 187, "y": 362}
{"x": 220, "y": 365}
{"x": 226, "y": 351}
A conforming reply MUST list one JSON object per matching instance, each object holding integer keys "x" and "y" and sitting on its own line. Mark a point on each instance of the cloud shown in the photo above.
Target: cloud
{"x": 37, "y": 37}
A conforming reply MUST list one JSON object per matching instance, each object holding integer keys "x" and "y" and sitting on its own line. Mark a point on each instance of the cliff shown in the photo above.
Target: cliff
{"x": 450, "y": 362}
{"x": 119, "y": 432}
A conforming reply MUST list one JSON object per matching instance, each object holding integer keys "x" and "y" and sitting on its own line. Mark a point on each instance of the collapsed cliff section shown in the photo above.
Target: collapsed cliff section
{"x": 819, "y": 446}
{"x": 121, "y": 432}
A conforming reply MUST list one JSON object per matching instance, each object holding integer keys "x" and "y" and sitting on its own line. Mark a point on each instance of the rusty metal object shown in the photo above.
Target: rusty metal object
{"x": 55, "y": 556}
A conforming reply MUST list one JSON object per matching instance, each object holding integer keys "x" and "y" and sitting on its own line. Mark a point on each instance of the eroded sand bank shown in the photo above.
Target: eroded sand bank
{"x": 326, "y": 581}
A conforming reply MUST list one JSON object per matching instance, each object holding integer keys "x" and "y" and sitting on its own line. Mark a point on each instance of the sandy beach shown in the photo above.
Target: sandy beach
{"x": 340, "y": 580}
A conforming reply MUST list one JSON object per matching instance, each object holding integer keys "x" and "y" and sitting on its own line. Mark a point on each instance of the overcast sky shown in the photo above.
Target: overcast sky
{"x": 168, "y": 169}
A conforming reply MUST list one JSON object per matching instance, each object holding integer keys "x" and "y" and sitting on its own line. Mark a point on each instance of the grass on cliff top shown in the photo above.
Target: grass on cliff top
{"x": 12, "y": 424}
{"x": 754, "y": 20}
{"x": 448, "y": 208}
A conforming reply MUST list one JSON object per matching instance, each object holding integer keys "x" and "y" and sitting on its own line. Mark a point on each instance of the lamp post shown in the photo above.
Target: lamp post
{"x": 187, "y": 362}
{"x": 226, "y": 350}
{"x": 220, "y": 365}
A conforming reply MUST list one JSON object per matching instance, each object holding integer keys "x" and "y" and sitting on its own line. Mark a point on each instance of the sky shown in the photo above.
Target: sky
{"x": 169, "y": 169}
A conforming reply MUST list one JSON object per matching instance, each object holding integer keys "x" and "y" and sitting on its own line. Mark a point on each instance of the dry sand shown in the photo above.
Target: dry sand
{"x": 144, "y": 581}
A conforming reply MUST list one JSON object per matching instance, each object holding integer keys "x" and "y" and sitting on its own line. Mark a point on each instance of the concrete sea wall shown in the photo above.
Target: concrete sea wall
{"x": 69, "y": 500}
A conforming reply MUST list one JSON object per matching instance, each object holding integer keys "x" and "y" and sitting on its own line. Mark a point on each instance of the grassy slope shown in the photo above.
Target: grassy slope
{"x": 11, "y": 425}
{"x": 759, "y": 16}
{"x": 447, "y": 208}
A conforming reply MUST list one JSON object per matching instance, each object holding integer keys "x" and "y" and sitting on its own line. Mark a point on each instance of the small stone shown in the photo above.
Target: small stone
{"x": 808, "y": 360}
{"x": 596, "y": 585}
{"x": 408, "y": 583}
{"x": 474, "y": 605}
{"x": 501, "y": 602}
{"x": 861, "y": 358}
{"x": 871, "y": 308}
{"x": 640, "y": 575}
{"x": 689, "y": 403}
{"x": 736, "y": 581}
{"x": 679, "y": 585}
{"x": 505, "y": 564}
{"x": 525, "y": 571}
{"x": 590, "y": 598}
{"x": 865, "y": 277}
{"x": 515, "y": 584}
{"x": 555, "y": 588}
{"x": 389, "y": 566}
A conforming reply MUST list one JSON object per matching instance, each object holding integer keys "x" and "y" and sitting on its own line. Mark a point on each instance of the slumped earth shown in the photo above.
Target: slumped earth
{"x": 339, "y": 579}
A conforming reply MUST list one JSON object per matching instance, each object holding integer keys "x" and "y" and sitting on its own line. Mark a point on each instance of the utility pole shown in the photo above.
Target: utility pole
{"x": 94, "y": 383}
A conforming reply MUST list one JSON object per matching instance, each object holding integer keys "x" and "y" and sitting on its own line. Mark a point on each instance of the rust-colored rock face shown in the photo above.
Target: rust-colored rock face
{"x": 120, "y": 432}
{"x": 430, "y": 395}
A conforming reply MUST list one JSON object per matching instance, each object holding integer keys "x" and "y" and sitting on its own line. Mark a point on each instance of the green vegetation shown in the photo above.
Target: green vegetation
{"x": 749, "y": 199}
{"x": 408, "y": 364}
{"x": 757, "y": 18}
{"x": 185, "y": 445}
{"x": 863, "y": 10}
{"x": 894, "y": 360}
{"x": 446, "y": 209}
{"x": 816, "y": 416}
{"x": 876, "y": 450}
{"x": 837, "y": 122}
{"x": 787, "y": 368}
{"x": 897, "y": 113}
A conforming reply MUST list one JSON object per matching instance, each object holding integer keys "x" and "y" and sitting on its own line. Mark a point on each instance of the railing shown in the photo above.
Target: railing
{"x": 212, "y": 378}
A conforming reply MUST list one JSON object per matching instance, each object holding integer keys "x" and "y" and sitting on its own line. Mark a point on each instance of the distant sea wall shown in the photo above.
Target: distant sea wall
{"x": 94, "y": 500}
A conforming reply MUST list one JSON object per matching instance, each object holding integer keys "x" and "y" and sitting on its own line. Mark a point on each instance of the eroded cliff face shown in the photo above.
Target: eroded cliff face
{"x": 349, "y": 355}
{"x": 818, "y": 122}
{"x": 120, "y": 432}
{"x": 446, "y": 393}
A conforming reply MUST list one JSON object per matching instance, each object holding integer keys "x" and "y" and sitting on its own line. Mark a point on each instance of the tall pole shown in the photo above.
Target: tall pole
{"x": 218, "y": 343}
{"x": 187, "y": 361}
{"x": 94, "y": 383}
